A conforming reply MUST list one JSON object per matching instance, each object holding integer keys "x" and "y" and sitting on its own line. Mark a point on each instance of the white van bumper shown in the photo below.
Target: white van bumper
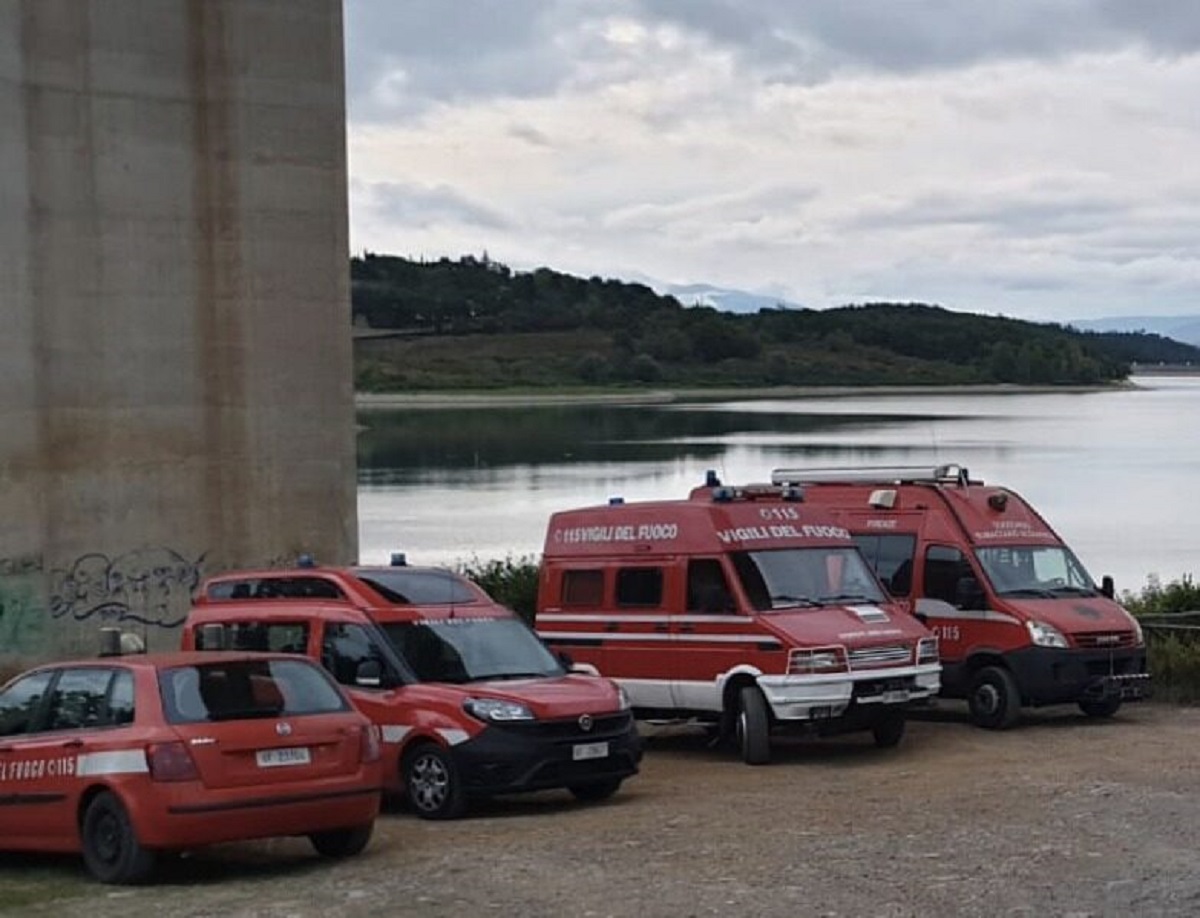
{"x": 822, "y": 697}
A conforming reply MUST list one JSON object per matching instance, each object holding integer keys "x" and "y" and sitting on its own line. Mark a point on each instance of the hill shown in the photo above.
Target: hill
{"x": 1185, "y": 329}
{"x": 474, "y": 323}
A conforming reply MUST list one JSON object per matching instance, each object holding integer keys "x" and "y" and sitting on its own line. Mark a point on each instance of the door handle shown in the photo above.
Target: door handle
{"x": 661, "y": 626}
{"x": 688, "y": 629}
{"x": 73, "y": 744}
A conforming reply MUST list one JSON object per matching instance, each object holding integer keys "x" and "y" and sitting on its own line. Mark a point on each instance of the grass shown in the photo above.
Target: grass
{"x": 29, "y": 880}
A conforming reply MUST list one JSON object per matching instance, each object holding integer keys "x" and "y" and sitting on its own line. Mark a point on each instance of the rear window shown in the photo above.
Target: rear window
{"x": 414, "y": 587}
{"x": 246, "y": 689}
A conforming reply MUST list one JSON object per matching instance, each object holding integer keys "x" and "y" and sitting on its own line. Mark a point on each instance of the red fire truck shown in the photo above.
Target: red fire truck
{"x": 741, "y": 609}
{"x": 1019, "y": 619}
{"x": 469, "y": 702}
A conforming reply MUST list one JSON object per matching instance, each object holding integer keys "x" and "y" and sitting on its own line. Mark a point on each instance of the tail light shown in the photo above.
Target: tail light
{"x": 817, "y": 660}
{"x": 369, "y": 748}
{"x": 171, "y": 762}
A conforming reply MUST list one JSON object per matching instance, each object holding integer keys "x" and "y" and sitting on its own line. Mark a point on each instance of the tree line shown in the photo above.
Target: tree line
{"x": 607, "y": 332}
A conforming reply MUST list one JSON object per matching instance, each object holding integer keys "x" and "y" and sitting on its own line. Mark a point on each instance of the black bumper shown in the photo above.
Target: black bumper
{"x": 512, "y": 758}
{"x": 1051, "y": 675}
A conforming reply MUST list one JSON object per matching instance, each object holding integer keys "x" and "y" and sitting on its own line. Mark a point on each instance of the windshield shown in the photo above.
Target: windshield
{"x": 471, "y": 649}
{"x": 246, "y": 689}
{"x": 791, "y": 577}
{"x": 1040, "y": 571}
{"x": 412, "y": 586}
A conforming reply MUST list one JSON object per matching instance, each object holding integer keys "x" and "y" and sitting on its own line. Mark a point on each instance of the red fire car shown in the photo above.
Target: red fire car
{"x": 121, "y": 758}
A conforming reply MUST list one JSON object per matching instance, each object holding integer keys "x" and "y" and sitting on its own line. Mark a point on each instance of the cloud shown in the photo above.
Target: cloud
{"x": 1031, "y": 158}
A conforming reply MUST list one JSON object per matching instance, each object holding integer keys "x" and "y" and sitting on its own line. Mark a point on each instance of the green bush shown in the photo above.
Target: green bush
{"x": 512, "y": 582}
{"x": 1180, "y": 595}
{"x": 1174, "y": 663}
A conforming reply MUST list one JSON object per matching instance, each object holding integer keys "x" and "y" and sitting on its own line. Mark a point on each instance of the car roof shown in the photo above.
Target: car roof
{"x": 166, "y": 659}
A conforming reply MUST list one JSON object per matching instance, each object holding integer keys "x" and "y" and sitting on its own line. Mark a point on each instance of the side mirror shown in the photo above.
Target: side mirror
{"x": 369, "y": 674}
{"x": 968, "y": 594}
{"x": 1106, "y": 586}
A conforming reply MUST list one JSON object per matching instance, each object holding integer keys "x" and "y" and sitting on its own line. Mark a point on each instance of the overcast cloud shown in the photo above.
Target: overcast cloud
{"x": 1036, "y": 158}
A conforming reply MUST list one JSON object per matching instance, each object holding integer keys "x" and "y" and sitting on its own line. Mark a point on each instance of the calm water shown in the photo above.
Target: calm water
{"x": 1116, "y": 473}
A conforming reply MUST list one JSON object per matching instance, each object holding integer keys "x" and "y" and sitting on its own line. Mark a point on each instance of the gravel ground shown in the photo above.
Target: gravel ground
{"x": 1060, "y": 816}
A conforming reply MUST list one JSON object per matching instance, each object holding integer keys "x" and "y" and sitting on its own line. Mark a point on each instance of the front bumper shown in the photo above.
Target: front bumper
{"x": 539, "y": 755}
{"x": 801, "y": 698}
{"x": 1052, "y": 675}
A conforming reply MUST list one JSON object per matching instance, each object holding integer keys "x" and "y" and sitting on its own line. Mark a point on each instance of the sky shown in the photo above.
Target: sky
{"x": 1032, "y": 158}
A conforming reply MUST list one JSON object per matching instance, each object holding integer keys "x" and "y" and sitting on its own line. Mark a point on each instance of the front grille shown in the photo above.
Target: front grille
{"x": 1105, "y": 640}
{"x": 568, "y": 728}
{"x": 875, "y": 657}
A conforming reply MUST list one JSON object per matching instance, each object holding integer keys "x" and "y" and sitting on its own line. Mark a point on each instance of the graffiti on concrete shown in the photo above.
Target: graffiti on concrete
{"x": 22, "y": 616}
{"x": 149, "y": 586}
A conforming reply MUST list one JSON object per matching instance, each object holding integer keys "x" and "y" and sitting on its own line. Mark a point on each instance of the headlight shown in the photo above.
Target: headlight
{"x": 1044, "y": 635}
{"x": 927, "y": 650}
{"x": 496, "y": 710}
{"x": 623, "y": 703}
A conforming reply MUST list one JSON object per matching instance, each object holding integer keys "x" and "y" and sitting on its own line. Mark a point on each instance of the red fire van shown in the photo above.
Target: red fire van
{"x": 741, "y": 609}
{"x": 470, "y": 703}
{"x": 1019, "y": 619}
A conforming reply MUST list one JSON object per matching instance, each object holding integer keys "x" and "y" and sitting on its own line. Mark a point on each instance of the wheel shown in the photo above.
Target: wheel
{"x": 753, "y": 727}
{"x": 889, "y": 730}
{"x": 1106, "y": 708}
{"x": 596, "y": 791}
{"x": 431, "y": 783}
{"x": 994, "y": 699}
{"x": 339, "y": 843}
{"x": 111, "y": 850}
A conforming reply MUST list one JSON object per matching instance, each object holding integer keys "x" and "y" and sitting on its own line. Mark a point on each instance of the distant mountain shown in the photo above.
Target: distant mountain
{"x": 1180, "y": 328}
{"x": 723, "y": 299}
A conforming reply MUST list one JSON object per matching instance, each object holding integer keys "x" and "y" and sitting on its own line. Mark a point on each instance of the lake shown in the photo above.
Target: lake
{"x": 1115, "y": 472}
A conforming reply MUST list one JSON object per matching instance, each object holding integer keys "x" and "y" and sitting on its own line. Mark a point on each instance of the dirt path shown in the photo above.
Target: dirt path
{"x": 1060, "y": 816}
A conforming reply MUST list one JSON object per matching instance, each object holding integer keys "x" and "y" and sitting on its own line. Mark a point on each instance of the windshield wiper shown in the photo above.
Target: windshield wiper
{"x": 846, "y": 597}
{"x": 1073, "y": 591}
{"x": 1035, "y": 592}
{"x": 498, "y": 677}
{"x": 782, "y": 600}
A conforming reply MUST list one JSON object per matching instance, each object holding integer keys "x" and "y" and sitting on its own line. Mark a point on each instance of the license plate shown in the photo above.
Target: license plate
{"x": 895, "y": 696}
{"x": 274, "y": 758}
{"x": 589, "y": 751}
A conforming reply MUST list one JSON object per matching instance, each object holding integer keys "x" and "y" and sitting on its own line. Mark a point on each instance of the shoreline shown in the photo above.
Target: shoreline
{"x": 429, "y": 400}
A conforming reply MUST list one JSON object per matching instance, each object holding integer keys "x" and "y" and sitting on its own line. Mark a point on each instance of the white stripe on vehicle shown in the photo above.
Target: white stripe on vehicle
{"x": 643, "y": 619}
{"x": 117, "y": 762}
{"x": 453, "y": 737}
{"x": 395, "y": 733}
{"x": 973, "y": 615}
{"x": 658, "y": 636}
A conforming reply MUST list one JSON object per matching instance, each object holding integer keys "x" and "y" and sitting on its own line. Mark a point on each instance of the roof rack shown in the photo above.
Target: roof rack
{"x": 897, "y": 474}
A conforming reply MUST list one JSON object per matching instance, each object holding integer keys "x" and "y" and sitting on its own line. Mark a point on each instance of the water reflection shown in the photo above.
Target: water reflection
{"x": 1114, "y": 471}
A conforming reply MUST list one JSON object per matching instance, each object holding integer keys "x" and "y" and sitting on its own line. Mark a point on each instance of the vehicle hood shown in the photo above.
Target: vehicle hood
{"x": 548, "y": 697}
{"x": 1075, "y": 614}
{"x": 863, "y": 625}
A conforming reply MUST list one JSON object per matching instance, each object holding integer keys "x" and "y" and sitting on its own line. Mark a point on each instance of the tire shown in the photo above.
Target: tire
{"x": 339, "y": 843}
{"x": 1106, "y": 708}
{"x": 595, "y": 791}
{"x": 753, "y": 727}
{"x": 889, "y": 730}
{"x": 111, "y": 850}
{"x": 431, "y": 783}
{"x": 994, "y": 699}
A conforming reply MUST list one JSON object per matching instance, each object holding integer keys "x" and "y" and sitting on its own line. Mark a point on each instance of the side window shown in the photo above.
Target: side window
{"x": 948, "y": 577}
{"x": 120, "y": 698}
{"x": 20, "y": 705}
{"x": 583, "y": 588}
{"x": 283, "y": 637}
{"x": 892, "y": 558}
{"x": 344, "y": 647}
{"x": 707, "y": 588}
{"x": 79, "y": 700}
{"x": 639, "y": 586}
